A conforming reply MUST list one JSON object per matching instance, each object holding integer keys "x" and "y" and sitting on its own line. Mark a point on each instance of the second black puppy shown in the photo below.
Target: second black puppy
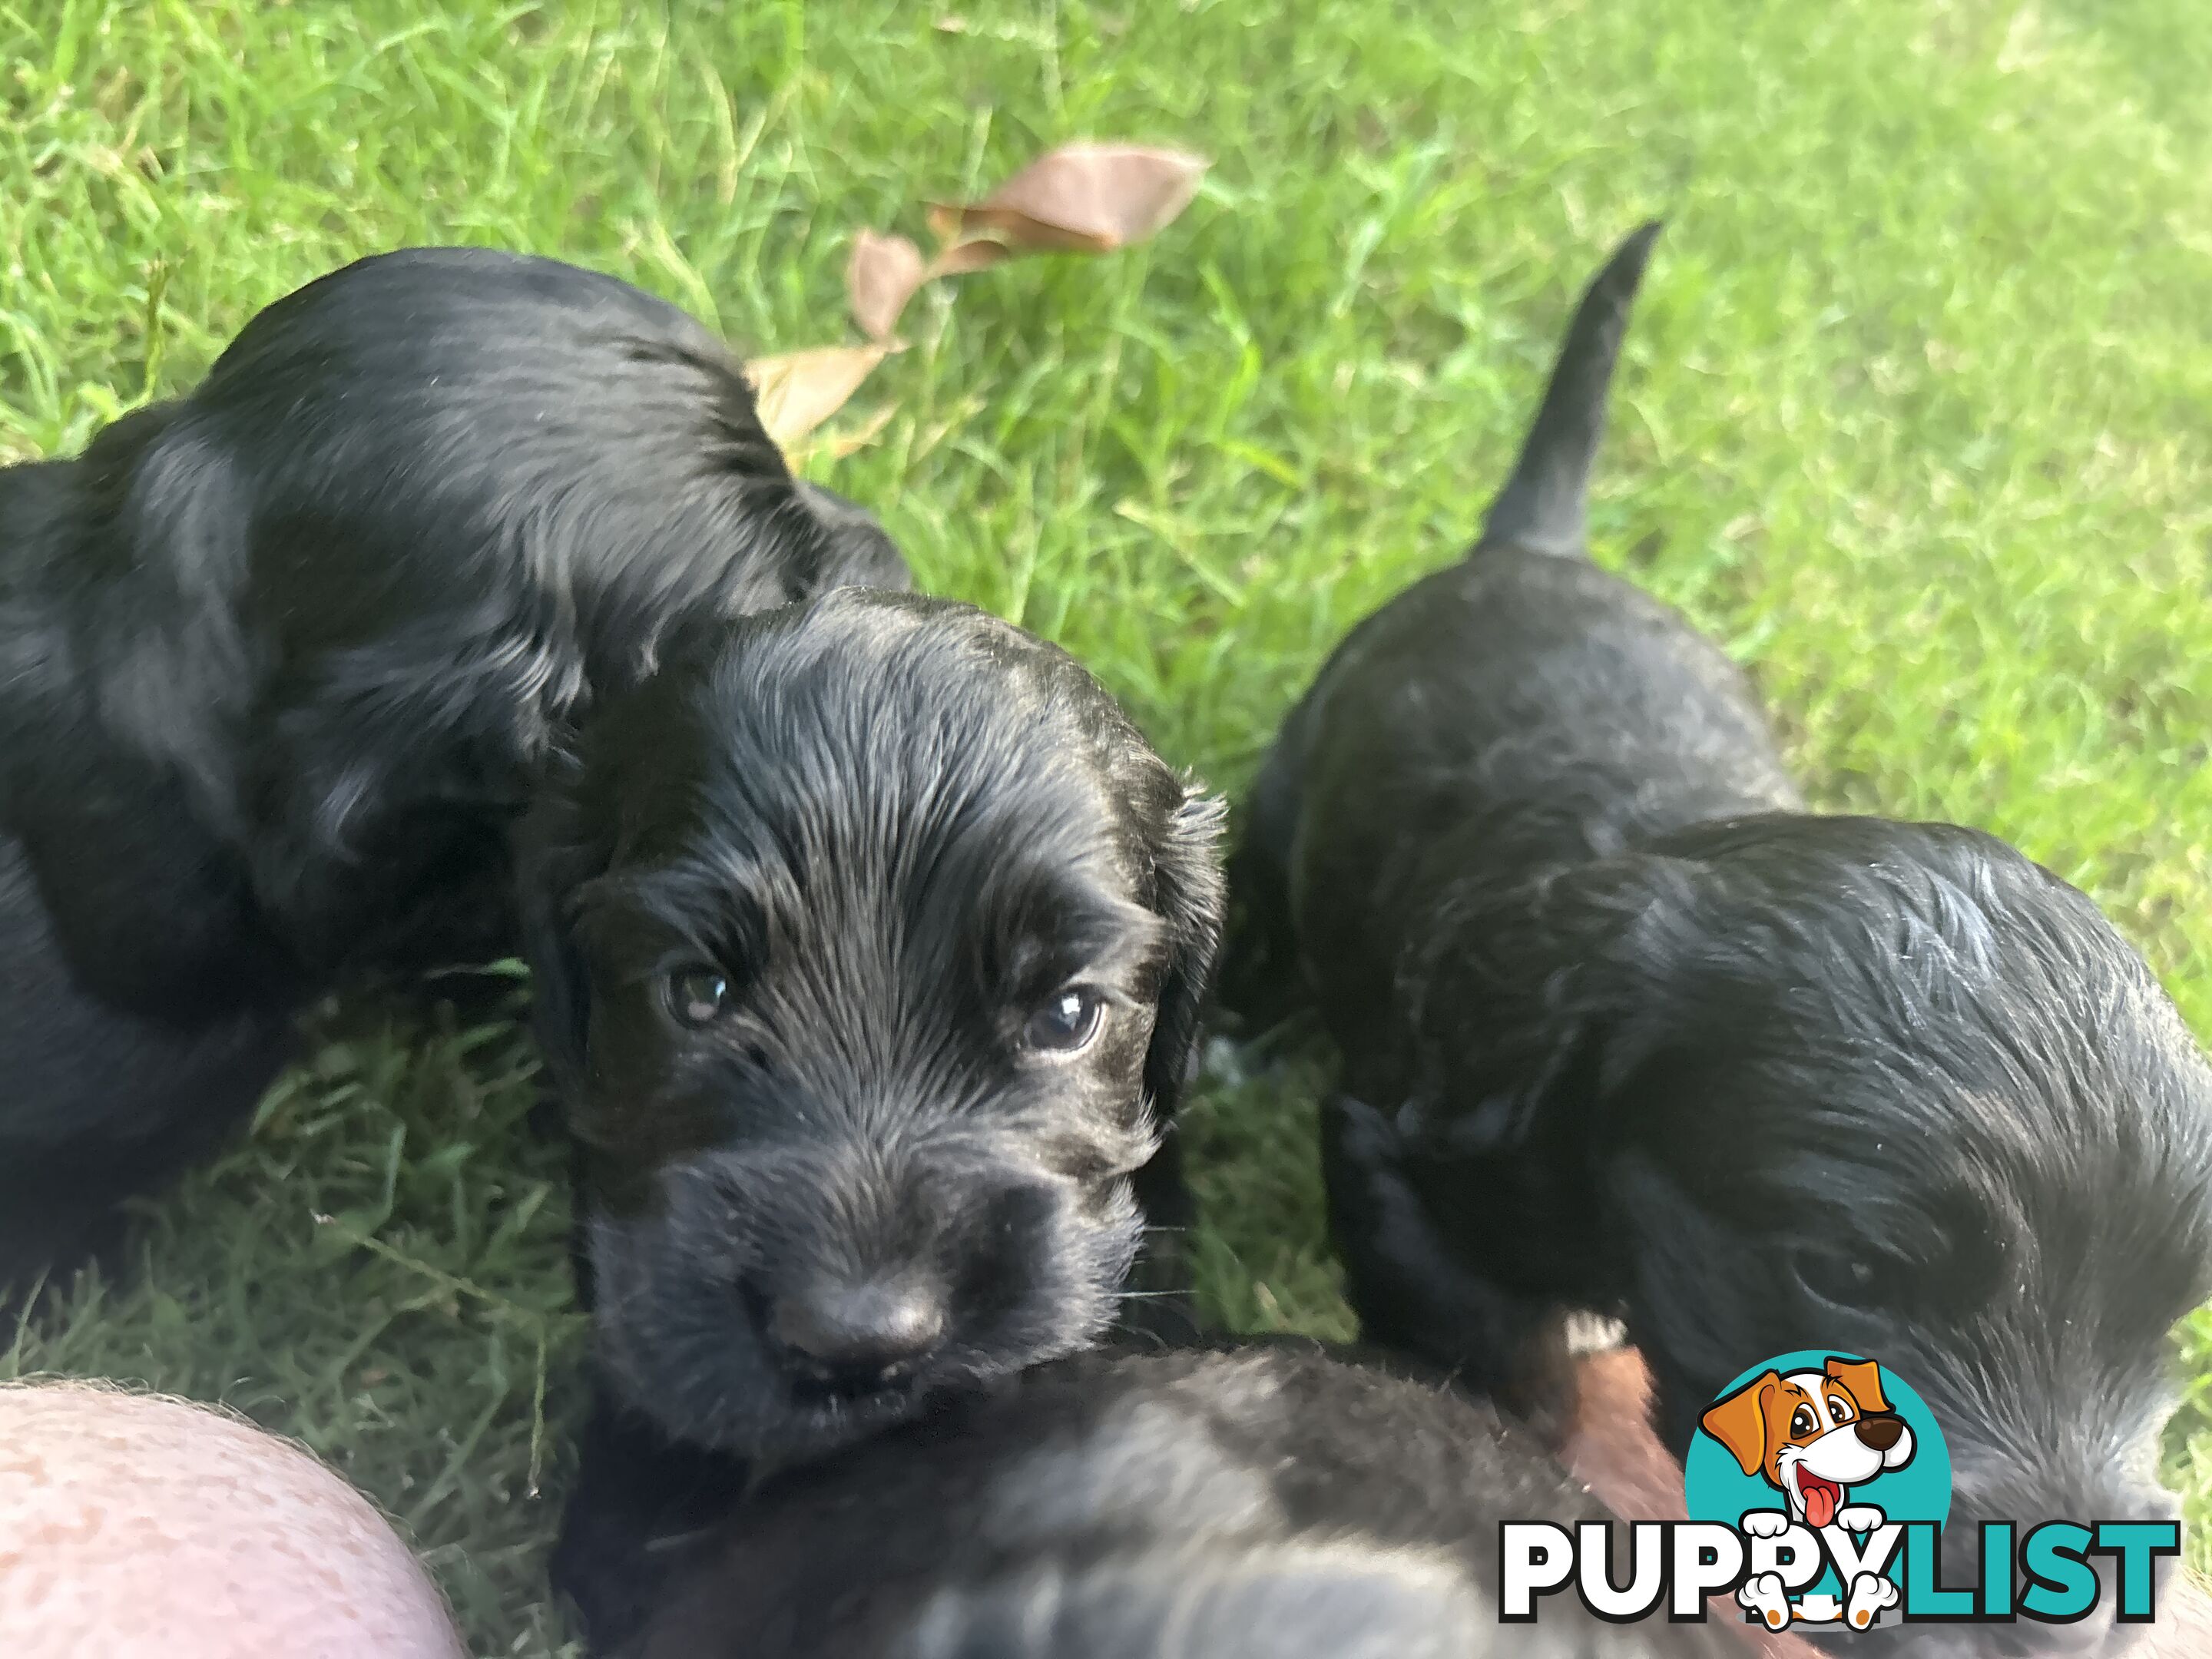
{"x": 1625, "y": 1030}
{"x": 870, "y": 937}
{"x": 280, "y": 662}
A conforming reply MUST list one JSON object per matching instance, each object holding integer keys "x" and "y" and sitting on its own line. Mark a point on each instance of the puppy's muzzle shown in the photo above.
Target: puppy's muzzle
{"x": 851, "y": 1338}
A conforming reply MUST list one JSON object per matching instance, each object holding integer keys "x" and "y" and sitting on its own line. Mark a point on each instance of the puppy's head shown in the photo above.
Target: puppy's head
{"x": 869, "y": 938}
{"x": 1833, "y": 1083}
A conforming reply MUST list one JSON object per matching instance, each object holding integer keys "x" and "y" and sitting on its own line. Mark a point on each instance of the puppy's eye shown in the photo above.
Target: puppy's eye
{"x": 698, "y": 996}
{"x": 1850, "y": 1281}
{"x": 1067, "y": 1023}
{"x": 1801, "y": 1421}
{"x": 1838, "y": 1412}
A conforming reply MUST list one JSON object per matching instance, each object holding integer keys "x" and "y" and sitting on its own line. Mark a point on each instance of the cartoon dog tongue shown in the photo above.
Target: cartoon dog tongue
{"x": 1820, "y": 1497}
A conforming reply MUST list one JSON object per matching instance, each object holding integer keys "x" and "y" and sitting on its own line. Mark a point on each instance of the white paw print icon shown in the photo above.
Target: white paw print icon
{"x": 1763, "y": 1594}
{"x": 1766, "y": 1523}
{"x": 1870, "y": 1594}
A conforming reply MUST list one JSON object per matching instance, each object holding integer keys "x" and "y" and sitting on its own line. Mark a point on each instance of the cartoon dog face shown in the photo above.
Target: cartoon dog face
{"x": 1814, "y": 1435}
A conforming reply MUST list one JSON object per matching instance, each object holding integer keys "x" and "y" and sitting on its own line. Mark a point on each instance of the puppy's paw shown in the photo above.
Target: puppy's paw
{"x": 1870, "y": 1594}
{"x": 1859, "y": 1517}
{"x": 1764, "y": 1596}
{"x": 1766, "y": 1523}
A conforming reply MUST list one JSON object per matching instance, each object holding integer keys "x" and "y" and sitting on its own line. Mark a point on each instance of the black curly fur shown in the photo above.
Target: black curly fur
{"x": 280, "y": 661}
{"x": 1626, "y": 1029}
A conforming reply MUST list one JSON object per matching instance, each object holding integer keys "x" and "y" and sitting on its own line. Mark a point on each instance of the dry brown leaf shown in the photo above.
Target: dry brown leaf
{"x": 880, "y": 277}
{"x": 838, "y": 445}
{"x": 798, "y": 391}
{"x": 1081, "y": 197}
{"x": 958, "y": 259}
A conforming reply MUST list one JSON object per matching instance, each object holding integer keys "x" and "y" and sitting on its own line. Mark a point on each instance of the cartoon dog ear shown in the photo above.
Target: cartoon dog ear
{"x": 1191, "y": 897}
{"x": 1739, "y": 1422}
{"x": 1861, "y": 1380}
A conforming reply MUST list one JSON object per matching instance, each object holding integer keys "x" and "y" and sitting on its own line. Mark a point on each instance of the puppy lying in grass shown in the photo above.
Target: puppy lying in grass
{"x": 1625, "y": 1028}
{"x": 280, "y": 662}
{"x": 1267, "y": 1503}
{"x": 869, "y": 938}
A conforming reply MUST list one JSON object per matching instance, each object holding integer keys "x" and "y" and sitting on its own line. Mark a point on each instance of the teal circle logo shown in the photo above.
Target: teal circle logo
{"x": 1818, "y": 1438}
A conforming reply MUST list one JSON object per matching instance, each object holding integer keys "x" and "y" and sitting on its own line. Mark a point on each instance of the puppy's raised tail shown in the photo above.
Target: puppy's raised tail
{"x": 1544, "y": 506}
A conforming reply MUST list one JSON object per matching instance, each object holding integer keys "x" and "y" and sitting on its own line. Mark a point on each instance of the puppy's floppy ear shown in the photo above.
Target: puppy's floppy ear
{"x": 1188, "y": 894}
{"x": 1739, "y": 1422}
{"x": 1543, "y": 998}
{"x": 1861, "y": 1380}
{"x": 555, "y": 855}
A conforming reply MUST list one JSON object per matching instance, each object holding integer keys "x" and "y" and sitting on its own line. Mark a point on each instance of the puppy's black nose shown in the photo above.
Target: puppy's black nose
{"x": 858, "y": 1337}
{"x": 1880, "y": 1432}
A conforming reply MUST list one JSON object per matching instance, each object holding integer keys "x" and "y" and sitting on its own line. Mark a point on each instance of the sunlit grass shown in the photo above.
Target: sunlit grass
{"x": 1914, "y": 417}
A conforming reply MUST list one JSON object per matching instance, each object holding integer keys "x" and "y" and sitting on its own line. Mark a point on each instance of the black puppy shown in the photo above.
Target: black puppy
{"x": 279, "y": 662}
{"x": 869, "y": 940}
{"x": 1626, "y": 1030}
{"x": 1271, "y": 1503}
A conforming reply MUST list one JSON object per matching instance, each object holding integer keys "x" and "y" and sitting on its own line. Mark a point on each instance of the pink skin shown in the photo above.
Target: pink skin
{"x": 136, "y": 1528}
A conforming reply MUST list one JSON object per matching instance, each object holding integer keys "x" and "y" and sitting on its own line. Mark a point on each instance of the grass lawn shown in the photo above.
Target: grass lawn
{"x": 1917, "y": 416}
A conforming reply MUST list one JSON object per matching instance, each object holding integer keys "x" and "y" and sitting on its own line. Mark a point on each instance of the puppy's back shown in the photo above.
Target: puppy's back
{"x": 1519, "y": 707}
{"x": 492, "y": 423}
{"x": 1525, "y": 690}
{"x": 1265, "y": 1503}
{"x": 347, "y": 594}
{"x": 1339, "y": 1602}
